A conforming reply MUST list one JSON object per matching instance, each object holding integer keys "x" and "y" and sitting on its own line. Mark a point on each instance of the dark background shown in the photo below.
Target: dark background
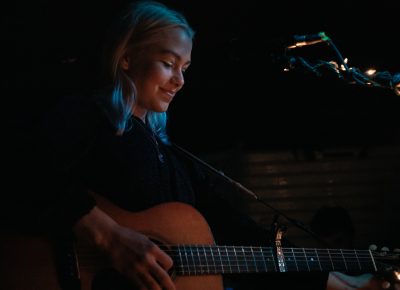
{"x": 236, "y": 93}
{"x": 237, "y": 96}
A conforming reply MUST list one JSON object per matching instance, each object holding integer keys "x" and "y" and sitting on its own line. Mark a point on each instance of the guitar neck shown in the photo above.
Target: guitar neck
{"x": 210, "y": 259}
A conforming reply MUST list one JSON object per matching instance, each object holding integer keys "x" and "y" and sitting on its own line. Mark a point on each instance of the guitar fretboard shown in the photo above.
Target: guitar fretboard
{"x": 208, "y": 259}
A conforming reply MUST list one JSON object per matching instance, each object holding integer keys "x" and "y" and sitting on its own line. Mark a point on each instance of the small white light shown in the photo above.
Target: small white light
{"x": 397, "y": 275}
{"x": 397, "y": 91}
{"x": 346, "y": 60}
{"x": 370, "y": 72}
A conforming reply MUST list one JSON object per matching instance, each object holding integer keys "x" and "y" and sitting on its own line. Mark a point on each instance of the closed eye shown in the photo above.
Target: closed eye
{"x": 167, "y": 64}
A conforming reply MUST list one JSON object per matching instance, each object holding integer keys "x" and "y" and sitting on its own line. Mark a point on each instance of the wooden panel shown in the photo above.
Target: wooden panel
{"x": 365, "y": 181}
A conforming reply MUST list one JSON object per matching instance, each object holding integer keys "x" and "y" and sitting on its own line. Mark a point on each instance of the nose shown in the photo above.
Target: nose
{"x": 178, "y": 79}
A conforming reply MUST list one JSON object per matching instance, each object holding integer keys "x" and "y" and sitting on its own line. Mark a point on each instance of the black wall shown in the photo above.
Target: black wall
{"x": 236, "y": 92}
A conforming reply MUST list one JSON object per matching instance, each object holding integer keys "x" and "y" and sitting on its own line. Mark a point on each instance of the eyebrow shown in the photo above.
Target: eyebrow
{"x": 168, "y": 51}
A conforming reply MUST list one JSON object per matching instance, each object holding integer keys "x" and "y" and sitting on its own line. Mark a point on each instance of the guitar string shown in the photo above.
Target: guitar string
{"x": 243, "y": 265}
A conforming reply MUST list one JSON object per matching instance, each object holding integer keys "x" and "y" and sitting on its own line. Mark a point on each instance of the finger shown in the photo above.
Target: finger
{"x": 163, "y": 277}
{"x": 163, "y": 259}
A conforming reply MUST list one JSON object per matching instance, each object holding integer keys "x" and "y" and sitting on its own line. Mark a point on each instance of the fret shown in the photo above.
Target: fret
{"x": 236, "y": 259}
{"x": 358, "y": 261}
{"x": 371, "y": 266}
{"x": 180, "y": 259}
{"x": 186, "y": 260}
{"x": 295, "y": 261}
{"x": 312, "y": 260}
{"x": 243, "y": 259}
{"x": 319, "y": 262}
{"x": 344, "y": 260}
{"x": 203, "y": 260}
{"x": 300, "y": 259}
{"x": 229, "y": 261}
{"x": 351, "y": 260}
{"x": 268, "y": 259}
{"x": 290, "y": 260}
{"x": 220, "y": 259}
{"x": 260, "y": 260}
{"x": 207, "y": 265}
{"x": 254, "y": 260}
{"x": 337, "y": 260}
{"x": 325, "y": 260}
{"x": 268, "y": 256}
{"x": 263, "y": 260}
{"x": 196, "y": 260}
{"x": 366, "y": 260}
{"x": 213, "y": 260}
{"x": 305, "y": 257}
{"x": 192, "y": 262}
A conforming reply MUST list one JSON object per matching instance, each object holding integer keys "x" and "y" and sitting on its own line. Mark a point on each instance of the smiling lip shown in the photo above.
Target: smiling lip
{"x": 171, "y": 94}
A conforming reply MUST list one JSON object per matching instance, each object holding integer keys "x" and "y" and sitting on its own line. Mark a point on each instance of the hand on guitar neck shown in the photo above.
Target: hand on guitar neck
{"x": 341, "y": 281}
{"x": 385, "y": 279}
{"x": 335, "y": 227}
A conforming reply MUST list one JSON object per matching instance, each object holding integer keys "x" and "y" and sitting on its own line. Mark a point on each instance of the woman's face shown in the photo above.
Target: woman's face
{"x": 158, "y": 69}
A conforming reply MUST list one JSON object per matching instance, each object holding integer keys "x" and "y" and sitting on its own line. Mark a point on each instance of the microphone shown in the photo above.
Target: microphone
{"x": 308, "y": 39}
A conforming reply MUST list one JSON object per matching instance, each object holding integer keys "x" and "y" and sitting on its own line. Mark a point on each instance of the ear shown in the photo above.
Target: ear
{"x": 125, "y": 62}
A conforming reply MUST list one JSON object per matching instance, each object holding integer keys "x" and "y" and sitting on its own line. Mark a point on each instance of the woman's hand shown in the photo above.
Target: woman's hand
{"x": 131, "y": 253}
{"x": 341, "y": 281}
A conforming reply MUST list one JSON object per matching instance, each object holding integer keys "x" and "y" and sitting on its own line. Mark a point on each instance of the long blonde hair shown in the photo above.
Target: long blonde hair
{"x": 142, "y": 20}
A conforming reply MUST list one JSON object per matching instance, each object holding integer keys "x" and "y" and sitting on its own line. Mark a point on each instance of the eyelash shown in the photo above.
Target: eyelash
{"x": 170, "y": 65}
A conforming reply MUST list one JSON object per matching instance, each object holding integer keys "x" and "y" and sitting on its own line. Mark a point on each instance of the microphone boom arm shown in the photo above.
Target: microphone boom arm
{"x": 249, "y": 192}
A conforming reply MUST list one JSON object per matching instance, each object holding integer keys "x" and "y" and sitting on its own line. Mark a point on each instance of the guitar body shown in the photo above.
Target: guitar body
{"x": 33, "y": 266}
{"x": 169, "y": 223}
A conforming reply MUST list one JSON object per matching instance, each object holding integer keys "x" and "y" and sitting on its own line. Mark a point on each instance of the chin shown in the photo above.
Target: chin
{"x": 160, "y": 109}
{"x": 163, "y": 108}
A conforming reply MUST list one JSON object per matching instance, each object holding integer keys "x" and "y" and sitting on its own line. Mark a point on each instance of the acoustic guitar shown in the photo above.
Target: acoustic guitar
{"x": 29, "y": 263}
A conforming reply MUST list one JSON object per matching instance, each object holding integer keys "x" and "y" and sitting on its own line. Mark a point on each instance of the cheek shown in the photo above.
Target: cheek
{"x": 149, "y": 81}
{"x": 152, "y": 75}
{"x": 159, "y": 71}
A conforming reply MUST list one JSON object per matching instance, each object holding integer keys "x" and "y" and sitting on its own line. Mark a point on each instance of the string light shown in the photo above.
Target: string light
{"x": 340, "y": 68}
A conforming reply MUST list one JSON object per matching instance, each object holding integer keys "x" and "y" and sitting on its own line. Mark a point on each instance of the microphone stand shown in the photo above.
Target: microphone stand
{"x": 239, "y": 186}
